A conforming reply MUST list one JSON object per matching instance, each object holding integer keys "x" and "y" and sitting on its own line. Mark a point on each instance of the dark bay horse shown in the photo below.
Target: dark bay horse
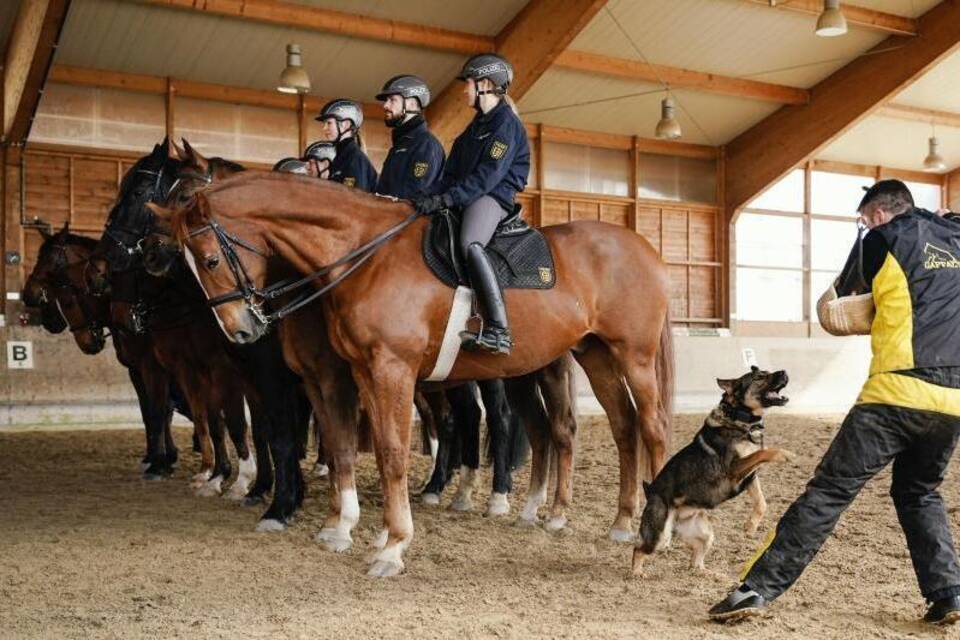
{"x": 170, "y": 324}
{"x": 54, "y": 286}
{"x": 387, "y": 319}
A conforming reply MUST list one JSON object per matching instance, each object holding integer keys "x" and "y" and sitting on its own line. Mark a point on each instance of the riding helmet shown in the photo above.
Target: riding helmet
{"x": 342, "y": 109}
{"x": 292, "y": 165}
{"x": 406, "y": 86}
{"x": 321, "y": 150}
{"x": 491, "y": 66}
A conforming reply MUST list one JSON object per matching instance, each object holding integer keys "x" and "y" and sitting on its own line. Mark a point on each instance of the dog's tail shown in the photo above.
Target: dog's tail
{"x": 654, "y": 534}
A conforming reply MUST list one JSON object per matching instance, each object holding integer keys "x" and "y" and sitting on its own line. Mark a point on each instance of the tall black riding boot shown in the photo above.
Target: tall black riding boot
{"x": 495, "y": 333}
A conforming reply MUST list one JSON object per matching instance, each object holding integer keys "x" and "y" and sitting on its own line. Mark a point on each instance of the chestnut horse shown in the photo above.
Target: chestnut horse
{"x": 387, "y": 320}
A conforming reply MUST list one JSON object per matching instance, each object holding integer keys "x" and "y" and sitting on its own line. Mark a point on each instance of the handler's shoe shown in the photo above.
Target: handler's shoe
{"x": 742, "y": 602}
{"x": 944, "y": 611}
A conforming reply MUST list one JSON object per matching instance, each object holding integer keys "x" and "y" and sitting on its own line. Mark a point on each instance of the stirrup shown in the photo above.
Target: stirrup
{"x": 487, "y": 340}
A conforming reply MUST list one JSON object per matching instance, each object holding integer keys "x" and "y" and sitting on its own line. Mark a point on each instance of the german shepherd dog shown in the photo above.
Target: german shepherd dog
{"x": 719, "y": 464}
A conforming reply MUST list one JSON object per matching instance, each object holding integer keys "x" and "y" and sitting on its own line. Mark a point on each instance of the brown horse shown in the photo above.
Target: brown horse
{"x": 387, "y": 320}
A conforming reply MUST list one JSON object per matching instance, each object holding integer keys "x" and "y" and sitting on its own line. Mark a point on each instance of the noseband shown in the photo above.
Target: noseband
{"x": 255, "y": 297}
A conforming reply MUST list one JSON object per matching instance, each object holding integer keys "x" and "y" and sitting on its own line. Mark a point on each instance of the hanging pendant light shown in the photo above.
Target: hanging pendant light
{"x": 934, "y": 161}
{"x": 668, "y": 128}
{"x": 294, "y": 79}
{"x": 831, "y": 22}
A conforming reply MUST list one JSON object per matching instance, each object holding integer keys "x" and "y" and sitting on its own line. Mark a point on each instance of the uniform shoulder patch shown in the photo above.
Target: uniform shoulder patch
{"x": 420, "y": 169}
{"x": 350, "y": 182}
{"x": 498, "y": 149}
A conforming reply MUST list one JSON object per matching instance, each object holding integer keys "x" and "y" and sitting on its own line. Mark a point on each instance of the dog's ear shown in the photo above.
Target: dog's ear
{"x": 727, "y": 385}
{"x": 646, "y": 489}
{"x": 754, "y": 368}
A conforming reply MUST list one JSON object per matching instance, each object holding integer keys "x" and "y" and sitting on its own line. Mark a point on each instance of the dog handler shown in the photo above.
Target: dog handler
{"x": 908, "y": 412}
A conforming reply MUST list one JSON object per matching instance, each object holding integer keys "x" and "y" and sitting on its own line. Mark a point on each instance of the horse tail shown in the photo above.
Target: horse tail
{"x": 665, "y": 378}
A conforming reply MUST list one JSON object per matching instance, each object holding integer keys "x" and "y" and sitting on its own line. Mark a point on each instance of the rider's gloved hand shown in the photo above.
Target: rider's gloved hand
{"x": 427, "y": 205}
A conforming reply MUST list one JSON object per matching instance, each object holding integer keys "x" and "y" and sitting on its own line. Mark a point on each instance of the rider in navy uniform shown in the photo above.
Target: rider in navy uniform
{"x": 342, "y": 120}
{"x": 487, "y": 167}
{"x": 416, "y": 158}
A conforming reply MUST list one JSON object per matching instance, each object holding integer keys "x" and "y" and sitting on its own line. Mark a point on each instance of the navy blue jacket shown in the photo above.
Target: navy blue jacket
{"x": 352, "y": 167}
{"x": 414, "y": 162}
{"x": 492, "y": 157}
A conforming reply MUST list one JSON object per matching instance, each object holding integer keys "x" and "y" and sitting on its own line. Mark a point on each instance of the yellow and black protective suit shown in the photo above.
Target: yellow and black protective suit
{"x": 908, "y": 412}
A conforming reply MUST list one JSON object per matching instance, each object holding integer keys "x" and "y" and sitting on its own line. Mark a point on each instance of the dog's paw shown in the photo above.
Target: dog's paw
{"x": 785, "y": 456}
{"x": 751, "y": 526}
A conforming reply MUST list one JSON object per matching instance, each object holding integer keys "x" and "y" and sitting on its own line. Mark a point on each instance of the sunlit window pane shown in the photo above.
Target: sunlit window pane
{"x": 769, "y": 241}
{"x": 831, "y": 241}
{"x": 768, "y": 294}
{"x": 837, "y": 193}
{"x": 785, "y": 195}
{"x": 925, "y": 196}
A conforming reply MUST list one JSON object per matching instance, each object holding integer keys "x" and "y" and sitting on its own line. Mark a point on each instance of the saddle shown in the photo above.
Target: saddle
{"x": 518, "y": 252}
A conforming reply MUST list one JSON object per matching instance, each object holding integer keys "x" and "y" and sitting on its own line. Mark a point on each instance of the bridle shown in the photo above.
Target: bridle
{"x": 256, "y": 297}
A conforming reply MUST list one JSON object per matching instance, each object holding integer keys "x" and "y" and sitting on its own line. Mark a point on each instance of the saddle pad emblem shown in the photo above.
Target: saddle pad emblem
{"x": 349, "y": 182}
{"x": 420, "y": 169}
{"x": 545, "y": 275}
{"x": 498, "y": 149}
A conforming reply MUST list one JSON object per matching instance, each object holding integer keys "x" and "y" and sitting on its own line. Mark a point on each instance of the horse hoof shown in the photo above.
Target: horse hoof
{"x": 430, "y": 499}
{"x": 321, "y": 470}
{"x": 462, "y": 504}
{"x": 254, "y": 500}
{"x": 385, "y": 569}
{"x": 236, "y": 493}
{"x": 555, "y": 524}
{"x": 153, "y": 476}
{"x": 211, "y": 488}
{"x": 269, "y": 525}
{"x": 334, "y": 541}
{"x": 621, "y": 535}
{"x": 144, "y": 465}
{"x": 528, "y": 523}
{"x": 498, "y": 505}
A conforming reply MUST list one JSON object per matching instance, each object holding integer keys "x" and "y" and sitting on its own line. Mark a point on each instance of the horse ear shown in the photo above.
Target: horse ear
{"x": 66, "y": 227}
{"x": 174, "y": 152}
{"x": 194, "y": 158}
{"x": 203, "y": 206}
{"x": 44, "y": 230}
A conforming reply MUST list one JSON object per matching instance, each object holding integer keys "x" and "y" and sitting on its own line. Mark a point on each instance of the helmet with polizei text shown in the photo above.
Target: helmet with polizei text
{"x": 406, "y": 86}
{"x": 488, "y": 65}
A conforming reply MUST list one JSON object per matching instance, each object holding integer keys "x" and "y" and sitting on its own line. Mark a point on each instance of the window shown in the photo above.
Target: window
{"x": 837, "y": 193}
{"x": 784, "y": 195}
{"x": 925, "y": 196}
{"x": 831, "y": 241}
{"x": 769, "y": 294}
{"x": 571, "y": 167}
{"x": 769, "y": 241}
{"x": 677, "y": 179}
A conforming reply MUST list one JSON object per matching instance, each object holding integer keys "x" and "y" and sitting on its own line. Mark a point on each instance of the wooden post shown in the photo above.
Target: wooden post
{"x": 169, "y": 108}
{"x": 541, "y": 178}
{"x": 302, "y": 124}
{"x": 807, "y": 238}
{"x": 634, "y": 182}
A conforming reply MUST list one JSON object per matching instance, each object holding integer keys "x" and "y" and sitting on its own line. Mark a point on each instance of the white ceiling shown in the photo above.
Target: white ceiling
{"x": 729, "y": 37}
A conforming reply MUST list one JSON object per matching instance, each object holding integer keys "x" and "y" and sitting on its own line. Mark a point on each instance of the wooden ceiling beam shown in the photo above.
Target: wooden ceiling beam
{"x": 299, "y": 16}
{"x": 29, "y": 53}
{"x": 679, "y": 78}
{"x": 532, "y": 41}
{"x": 771, "y": 148}
{"x": 142, "y": 83}
{"x": 919, "y": 114}
{"x": 858, "y": 16}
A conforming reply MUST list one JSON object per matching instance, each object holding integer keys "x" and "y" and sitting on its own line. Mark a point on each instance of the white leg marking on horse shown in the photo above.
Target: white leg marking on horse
{"x": 528, "y": 516}
{"x": 380, "y": 540}
{"x": 430, "y": 499}
{"x": 498, "y": 505}
{"x": 321, "y": 470}
{"x": 621, "y": 535}
{"x": 556, "y": 523}
{"x": 337, "y": 538}
{"x": 464, "y": 498}
{"x": 434, "y": 447}
{"x": 387, "y": 562}
{"x": 199, "y": 479}
{"x": 211, "y": 487}
{"x": 270, "y": 526}
{"x": 245, "y": 477}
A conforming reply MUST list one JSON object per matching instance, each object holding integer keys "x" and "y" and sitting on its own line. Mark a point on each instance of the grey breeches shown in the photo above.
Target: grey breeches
{"x": 480, "y": 221}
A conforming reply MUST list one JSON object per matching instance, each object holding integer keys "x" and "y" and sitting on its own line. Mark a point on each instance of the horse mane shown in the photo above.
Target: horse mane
{"x": 229, "y": 165}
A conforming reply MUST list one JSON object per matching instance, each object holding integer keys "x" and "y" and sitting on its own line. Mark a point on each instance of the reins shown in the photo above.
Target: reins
{"x": 248, "y": 291}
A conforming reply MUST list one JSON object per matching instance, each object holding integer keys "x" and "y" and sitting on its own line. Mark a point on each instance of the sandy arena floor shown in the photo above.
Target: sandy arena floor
{"x": 88, "y": 550}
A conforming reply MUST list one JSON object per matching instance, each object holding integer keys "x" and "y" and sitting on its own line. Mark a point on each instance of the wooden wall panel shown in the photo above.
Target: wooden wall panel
{"x": 94, "y": 191}
{"x": 584, "y": 210}
{"x": 703, "y": 236}
{"x": 648, "y": 225}
{"x": 618, "y": 214}
{"x": 703, "y": 292}
{"x": 953, "y": 191}
{"x": 679, "y": 303}
{"x": 555, "y": 211}
{"x": 48, "y": 189}
{"x": 675, "y": 235}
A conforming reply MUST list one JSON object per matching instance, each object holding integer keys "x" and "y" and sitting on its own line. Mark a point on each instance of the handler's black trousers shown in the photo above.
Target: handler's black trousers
{"x": 920, "y": 444}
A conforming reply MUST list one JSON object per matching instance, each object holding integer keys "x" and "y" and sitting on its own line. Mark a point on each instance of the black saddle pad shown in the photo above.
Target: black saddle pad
{"x": 519, "y": 253}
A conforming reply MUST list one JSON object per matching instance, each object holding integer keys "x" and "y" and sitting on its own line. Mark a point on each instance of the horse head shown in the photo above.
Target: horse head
{"x": 160, "y": 251}
{"x": 86, "y": 314}
{"x": 227, "y": 262}
{"x": 59, "y": 251}
{"x": 150, "y": 179}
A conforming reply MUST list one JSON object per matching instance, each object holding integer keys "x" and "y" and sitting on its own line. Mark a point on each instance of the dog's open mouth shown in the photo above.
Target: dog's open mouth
{"x": 772, "y": 396}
